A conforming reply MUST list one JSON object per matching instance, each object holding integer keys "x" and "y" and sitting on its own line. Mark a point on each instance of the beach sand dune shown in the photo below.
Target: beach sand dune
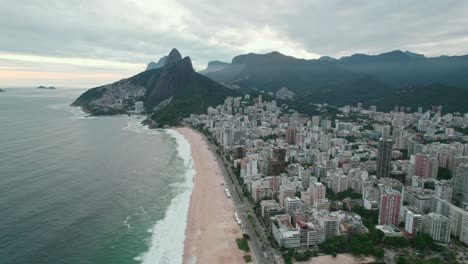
{"x": 211, "y": 229}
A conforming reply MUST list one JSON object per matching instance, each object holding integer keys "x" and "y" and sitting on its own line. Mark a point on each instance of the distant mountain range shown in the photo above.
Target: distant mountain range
{"x": 369, "y": 79}
{"x": 169, "y": 92}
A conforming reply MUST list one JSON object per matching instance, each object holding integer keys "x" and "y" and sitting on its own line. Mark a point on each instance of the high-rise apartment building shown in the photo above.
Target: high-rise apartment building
{"x": 461, "y": 181}
{"x": 384, "y": 158}
{"x": 389, "y": 208}
{"x": 292, "y": 204}
{"x": 413, "y": 222}
{"x": 437, "y": 226}
{"x": 285, "y": 192}
{"x": 291, "y": 135}
{"x": 421, "y": 165}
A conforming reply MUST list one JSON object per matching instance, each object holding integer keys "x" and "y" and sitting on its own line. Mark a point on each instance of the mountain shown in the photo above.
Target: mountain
{"x": 169, "y": 93}
{"x": 155, "y": 65}
{"x": 272, "y": 71}
{"x": 348, "y": 80}
{"x": 398, "y": 68}
{"x": 214, "y": 66}
{"x": 327, "y": 58}
{"x": 2, "y": 91}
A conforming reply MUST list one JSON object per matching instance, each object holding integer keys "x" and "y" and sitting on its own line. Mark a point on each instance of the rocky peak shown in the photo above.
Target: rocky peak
{"x": 173, "y": 57}
{"x": 173, "y": 80}
{"x": 185, "y": 65}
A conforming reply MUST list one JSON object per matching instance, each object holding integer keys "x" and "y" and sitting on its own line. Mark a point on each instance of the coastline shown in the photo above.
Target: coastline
{"x": 168, "y": 234}
{"x": 211, "y": 231}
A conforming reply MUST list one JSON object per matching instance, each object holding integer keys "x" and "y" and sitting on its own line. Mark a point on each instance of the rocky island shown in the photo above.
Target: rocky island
{"x": 46, "y": 88}
{"x": 2, "y": 91}
{"x": 169, "y": 92}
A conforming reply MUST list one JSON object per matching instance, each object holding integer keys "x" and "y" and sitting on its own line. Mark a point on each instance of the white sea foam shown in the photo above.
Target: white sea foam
{"x": 78, "y": 113}
{"x": 134, "y": 125}
{"x": 126, "y": 222}
{"x": 143, "y": 210}
{"x": 168, "y": 234}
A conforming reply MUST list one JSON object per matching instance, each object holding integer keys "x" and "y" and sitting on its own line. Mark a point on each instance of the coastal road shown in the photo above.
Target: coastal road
{"x": 257, "y": 228}
{"x": 256, "y": 249}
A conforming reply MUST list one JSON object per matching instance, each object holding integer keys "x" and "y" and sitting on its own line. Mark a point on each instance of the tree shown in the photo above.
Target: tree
{"x": 304, "y": 256}
{"x": 242, "y": 244}
{"x": 422, "y": 242}
{"x": 398, "y": 242}
{"x": 345, "y": 207}
{"x": 443, "y": 174}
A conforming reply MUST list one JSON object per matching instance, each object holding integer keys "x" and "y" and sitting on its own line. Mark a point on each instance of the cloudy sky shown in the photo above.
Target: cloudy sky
{"x": 77, "y": 43}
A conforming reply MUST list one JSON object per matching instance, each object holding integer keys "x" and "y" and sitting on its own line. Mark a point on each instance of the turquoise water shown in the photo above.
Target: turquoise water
{"x": 87, "y": 190}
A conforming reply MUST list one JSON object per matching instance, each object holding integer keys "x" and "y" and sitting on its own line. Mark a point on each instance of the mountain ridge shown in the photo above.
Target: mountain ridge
{"x": 329, "y": 80}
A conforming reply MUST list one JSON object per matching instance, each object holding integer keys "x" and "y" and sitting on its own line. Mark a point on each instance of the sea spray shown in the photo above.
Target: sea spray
{"x": 168, "y": 234}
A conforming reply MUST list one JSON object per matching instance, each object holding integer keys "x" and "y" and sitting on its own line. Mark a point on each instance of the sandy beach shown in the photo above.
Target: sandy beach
{"x": 211, "y": 229}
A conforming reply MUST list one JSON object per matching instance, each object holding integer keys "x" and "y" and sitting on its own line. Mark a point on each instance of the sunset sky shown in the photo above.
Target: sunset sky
{"x": 88, "y": 43}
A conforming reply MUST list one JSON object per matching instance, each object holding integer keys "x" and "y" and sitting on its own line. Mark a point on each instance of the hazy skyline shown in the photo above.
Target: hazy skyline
{"x": 87, "y": 43}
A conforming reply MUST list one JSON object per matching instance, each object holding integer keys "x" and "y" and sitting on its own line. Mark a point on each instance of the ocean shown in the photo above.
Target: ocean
{"x": 75, "y": 189}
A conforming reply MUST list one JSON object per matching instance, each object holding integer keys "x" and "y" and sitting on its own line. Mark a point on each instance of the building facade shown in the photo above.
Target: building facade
{"x": 384, "y": 158}
{"x": 389, "y": 209}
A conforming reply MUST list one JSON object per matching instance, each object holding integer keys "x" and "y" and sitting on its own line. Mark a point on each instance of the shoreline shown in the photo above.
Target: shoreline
{"x": 168, "y": 234}
{"x": 211, "y": 231}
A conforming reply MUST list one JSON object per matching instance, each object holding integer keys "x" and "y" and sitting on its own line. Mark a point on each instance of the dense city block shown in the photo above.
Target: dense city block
{"x": 393, "y": 185}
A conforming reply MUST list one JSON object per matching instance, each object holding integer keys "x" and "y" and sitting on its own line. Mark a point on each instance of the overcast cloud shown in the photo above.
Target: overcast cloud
{"x": 103, "y": 40}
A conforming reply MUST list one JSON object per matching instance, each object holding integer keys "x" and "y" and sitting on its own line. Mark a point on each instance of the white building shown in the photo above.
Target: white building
{"x": 437, "y": 226}
{"x": 139, "y": 107}
{"x": 413, "y": 222}
{"x": 458, "y": 217}
{"x": 339, "y": 183}
{"x": 443, "y": 190}
{"x": 284, "y": 192}
{"x": 330, "y": 224}
{"x": 459, "y": 222}
{"x": 249, "y": 165}
{"x": 292, "y": 204}
{"x": 461, "y": 181}
{"x": 284, "y": 232}
{"x": 311, "y": 234}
